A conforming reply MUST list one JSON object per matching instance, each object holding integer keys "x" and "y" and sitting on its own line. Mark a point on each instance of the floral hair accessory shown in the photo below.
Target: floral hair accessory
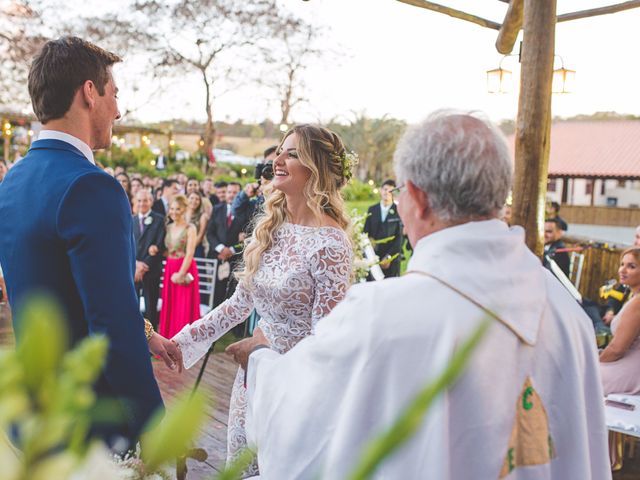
{"x": 349, "y": 160}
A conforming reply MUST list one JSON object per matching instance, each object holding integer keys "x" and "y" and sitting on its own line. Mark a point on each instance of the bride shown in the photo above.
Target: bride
{"x": 297, "y": 266}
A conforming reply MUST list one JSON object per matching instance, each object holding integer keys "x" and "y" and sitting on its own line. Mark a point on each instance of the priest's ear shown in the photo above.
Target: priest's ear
{"x": 419, "y": 201}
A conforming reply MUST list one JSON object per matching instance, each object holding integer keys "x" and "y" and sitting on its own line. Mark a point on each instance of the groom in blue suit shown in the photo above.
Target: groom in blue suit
{"x": 76, "y": 243}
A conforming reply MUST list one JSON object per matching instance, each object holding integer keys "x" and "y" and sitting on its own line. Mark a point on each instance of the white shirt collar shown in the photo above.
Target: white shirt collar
{"x": 70, "y": 139}
{"x": 387, "y": 207}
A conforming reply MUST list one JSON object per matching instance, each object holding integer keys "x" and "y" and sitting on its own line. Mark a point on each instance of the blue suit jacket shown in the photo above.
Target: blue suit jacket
{"x": 66, "y": 229}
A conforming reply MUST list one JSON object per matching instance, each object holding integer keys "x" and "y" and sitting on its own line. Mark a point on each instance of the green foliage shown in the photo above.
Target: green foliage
{"x": 358, "y": 190}
{"x": 167, "y": 440}
{"x": 194, "y": 172}
{"x": 47, "y": 394}
{"x": 237, "y": 467}
{"x": 412, "y": 418}
{"x": 374, "y": 140}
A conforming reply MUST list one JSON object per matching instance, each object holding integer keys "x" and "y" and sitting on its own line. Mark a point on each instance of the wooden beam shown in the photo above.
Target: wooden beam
{"x": 533, "y": 125}
{"x": 452, "y": 12}
{"x": 510, "y": 27}
{"x": 594, "y": 12}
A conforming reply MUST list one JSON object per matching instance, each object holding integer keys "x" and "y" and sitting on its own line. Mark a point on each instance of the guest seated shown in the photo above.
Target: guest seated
{"x": 552, "y": 243}
{"x": 619, "y": 361}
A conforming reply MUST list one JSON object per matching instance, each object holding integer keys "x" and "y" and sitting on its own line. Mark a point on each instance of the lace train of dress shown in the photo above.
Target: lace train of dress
{"x": 304, "y": 274}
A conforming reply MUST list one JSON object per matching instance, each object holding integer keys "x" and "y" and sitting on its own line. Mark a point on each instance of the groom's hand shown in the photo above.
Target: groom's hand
{"x": 168, "y": 350}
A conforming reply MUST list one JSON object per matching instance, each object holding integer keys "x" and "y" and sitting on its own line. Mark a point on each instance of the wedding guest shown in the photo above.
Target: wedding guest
{"x": 148, "y": 232}
{"x": 197, "y": 216}
{"x": 118, "y": 170}
{"x": 620, "y": 359}
{"x": 136, "y": 186}
{"x": 192, "y": 186}
{"x": 180, "y": 290}
{"x": 528, "y": 403}
{"x": 223, "y": 237}
{"x": 170, "y": 188}
{"x": 221, "y": 193}
{"x": 553, "y": 213}
{"x": 383, "y": 223}
{"x": 249, "y": 201}
{"x": 553, "y": 243}
{"x": 125, "y": 182}
{"x": 298, "y": 266}
{"x": 207, "y": 187}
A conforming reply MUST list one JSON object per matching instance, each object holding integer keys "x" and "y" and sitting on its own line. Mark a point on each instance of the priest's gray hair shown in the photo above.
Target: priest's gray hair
{"x": 460, "y": 160}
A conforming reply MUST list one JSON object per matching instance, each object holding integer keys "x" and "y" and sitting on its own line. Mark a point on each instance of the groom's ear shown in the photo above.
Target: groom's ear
{"x": 88, "y": 92}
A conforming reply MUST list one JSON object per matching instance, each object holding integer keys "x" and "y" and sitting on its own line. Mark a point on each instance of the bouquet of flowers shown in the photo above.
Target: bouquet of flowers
{"x": 365, "y": 260}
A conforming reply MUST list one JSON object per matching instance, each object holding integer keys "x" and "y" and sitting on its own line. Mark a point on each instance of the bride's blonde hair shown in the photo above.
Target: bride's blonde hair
{"x": 323, "y": 153}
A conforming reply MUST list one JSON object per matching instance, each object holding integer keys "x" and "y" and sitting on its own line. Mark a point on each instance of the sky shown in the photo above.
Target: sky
{"x": 404, "y": 62}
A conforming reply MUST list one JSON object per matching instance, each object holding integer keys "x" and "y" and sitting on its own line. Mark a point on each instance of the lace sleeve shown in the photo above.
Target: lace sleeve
{"x": 331, "y": 270}
{"x": 195, "y": 339}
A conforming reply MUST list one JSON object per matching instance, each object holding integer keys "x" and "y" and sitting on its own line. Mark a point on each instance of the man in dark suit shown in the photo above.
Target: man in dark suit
{"x": 148, "y": 231}
{"x": 170, "y": 188}
{"x": 553, "y": 243}
{"x": 383, "y": 223}
{"x": 76, "y": 242}
{"x": 223, "y": 235}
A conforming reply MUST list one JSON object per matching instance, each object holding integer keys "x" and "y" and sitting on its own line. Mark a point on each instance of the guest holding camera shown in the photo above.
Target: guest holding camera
{"x": 249, "y": 201}
{"x": 180, "y": 297}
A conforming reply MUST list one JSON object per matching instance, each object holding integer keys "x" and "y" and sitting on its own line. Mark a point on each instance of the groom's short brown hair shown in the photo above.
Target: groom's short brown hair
{"x": 60, "y": 68}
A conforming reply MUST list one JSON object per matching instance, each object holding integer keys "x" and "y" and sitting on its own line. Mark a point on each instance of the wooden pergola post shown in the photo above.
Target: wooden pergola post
{"x": 533, "y": 123}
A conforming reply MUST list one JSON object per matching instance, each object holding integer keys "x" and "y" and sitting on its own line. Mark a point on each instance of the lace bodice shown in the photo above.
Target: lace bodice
{"x": 304, "y": 274}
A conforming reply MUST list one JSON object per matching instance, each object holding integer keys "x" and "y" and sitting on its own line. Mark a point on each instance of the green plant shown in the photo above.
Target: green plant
{"x": 356, "y": 190}
{"x": 46, "y": 395}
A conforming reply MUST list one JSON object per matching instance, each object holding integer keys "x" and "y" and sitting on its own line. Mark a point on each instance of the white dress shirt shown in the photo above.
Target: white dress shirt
{"x": 70, "y": 139}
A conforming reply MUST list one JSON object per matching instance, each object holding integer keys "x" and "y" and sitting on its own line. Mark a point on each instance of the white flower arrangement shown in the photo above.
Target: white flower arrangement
{"x": 365, "y": 260}
{"x": 148, "y": 220}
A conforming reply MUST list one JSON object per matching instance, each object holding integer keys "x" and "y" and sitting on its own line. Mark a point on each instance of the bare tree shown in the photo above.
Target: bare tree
{"x": 213, "y": 39}
{"x": 22, "y": 33}
{"x": 292, "y": 52}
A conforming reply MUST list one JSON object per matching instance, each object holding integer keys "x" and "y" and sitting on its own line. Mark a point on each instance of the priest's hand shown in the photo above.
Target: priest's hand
{"x": 242, "y": 349}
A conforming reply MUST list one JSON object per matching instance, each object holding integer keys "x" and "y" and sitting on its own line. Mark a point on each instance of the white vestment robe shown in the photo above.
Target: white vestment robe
{"x": 313, "y": 409}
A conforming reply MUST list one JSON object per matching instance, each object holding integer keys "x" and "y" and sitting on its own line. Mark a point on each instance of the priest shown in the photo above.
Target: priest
{"x": 529, "y": 404}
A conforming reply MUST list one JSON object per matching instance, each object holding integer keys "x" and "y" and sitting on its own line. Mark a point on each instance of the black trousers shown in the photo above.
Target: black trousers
{"x": 149, "y": 288}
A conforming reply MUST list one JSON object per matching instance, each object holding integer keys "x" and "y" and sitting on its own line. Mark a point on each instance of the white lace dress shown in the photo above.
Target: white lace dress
{"x": 304, "y": 274}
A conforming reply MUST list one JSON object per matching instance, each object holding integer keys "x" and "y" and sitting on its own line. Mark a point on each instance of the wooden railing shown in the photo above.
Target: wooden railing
{"x": 600, "y": 264}
{"x": 614, "y": 216}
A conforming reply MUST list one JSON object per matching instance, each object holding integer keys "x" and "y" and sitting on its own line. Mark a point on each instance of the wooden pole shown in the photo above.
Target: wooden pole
{"x": 533, "y": 125}
{"x": 510, "y": 27}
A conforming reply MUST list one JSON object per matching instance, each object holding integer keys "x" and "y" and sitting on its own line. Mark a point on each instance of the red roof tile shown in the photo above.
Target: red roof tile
{"x": 606, "y": 149}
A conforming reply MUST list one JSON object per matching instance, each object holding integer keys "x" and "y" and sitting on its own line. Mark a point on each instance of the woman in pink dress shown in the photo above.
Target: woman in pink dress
{"x": 180, "y": 291}
{"x": 620, "y": 361}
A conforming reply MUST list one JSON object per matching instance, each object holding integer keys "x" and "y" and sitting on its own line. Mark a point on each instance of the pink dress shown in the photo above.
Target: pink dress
{"x": 180, "y": 303}
{"x": 623, "y": 375}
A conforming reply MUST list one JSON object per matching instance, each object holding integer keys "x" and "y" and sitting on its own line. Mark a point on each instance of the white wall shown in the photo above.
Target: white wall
{"x": 626, "y": 196}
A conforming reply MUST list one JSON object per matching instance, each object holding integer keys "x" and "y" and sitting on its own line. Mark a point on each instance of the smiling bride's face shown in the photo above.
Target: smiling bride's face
{"x": 290, "y": 175}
